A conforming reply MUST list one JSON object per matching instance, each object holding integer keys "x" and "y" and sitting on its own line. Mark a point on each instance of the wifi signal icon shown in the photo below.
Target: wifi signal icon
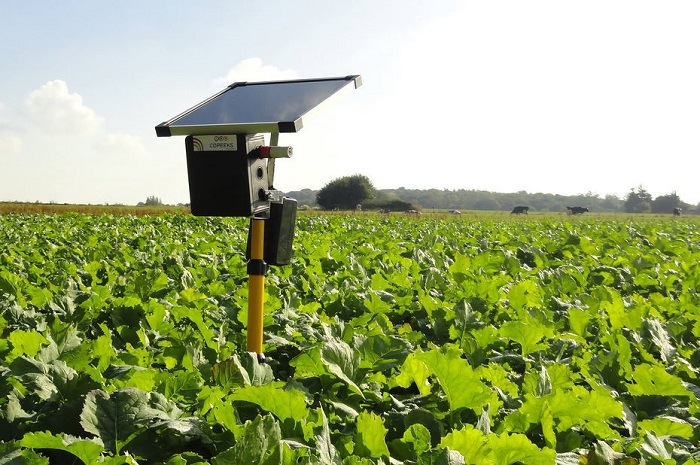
{"x": 197, "y": 145}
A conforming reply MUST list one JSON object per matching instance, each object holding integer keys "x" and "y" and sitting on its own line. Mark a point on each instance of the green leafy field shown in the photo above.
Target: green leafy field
{"x": 389, "y": 340}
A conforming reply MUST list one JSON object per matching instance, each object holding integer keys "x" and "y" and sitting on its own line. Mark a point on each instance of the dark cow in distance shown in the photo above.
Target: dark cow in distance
{"x": 677, "y": 211}
{"x": 519, "y": 209}
{"x": 576, "y": 210}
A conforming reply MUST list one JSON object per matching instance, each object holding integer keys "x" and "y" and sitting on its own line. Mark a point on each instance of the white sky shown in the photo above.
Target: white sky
{"x": 544, "y": 96}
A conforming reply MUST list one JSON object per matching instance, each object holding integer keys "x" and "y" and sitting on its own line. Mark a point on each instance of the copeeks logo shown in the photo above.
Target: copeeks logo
{"x": 197, "y": 145}
{"x": 221, "y": 143}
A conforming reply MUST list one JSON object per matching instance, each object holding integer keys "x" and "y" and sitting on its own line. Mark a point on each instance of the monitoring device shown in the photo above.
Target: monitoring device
{"x": 230, "y": 169}
{"x": 224, "y": 180}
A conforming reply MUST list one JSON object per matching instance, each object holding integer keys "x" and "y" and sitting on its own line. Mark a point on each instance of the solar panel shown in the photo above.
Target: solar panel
{"x": 256, "y": 107}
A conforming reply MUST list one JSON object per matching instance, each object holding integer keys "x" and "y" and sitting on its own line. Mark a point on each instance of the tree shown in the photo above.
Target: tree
{"x": 638, "y": 202}
{"x": 153, "y": 200}
{"x": 346, "y": 193}
{"x": 304, "y": 197}
{"x": 612, "y": 203}
{"x": 487, "y": 202}
{"x": 665, "y": 203}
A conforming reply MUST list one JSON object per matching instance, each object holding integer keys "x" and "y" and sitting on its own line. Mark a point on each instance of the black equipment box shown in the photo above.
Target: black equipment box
{"x": 279, "y": 232}
{"x": 224, "y": 180}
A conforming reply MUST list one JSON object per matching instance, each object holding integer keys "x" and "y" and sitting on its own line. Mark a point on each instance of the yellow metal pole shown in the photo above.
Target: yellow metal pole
{"x": 256, "y": 286}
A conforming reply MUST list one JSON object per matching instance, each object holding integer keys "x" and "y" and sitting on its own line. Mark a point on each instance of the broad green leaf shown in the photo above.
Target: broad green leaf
{"x": 656, "y": 448}
{"x": 413, "y": 371}
{"x": 560, "y": 376}
{"x": 260, "y": 444}
{"x": 564, "y": 409}
{"x": 458, "y": 380}
{"x": 113, "y": 419}
{"x": 619, "y": 315}
{"x": 486, "y": 336}
{"x": 150, "y": 282}
{"x": 605, "y": 454}
{"x": 427, "y": 301}
{"x": 12, "y": 410}
{"x": 499, "y": 377}
{"x": 11, "y": 284}
{"x": 181, "y": 386}
{"x": 195, "y": 316}
{"x": 548, "y": 425}
{"x": 158, "y": 317}
{"x": 380, "y": 352}
{"x": 371, "y": 434}
{"x": 660, "y": 338}
{"x": 527, "y": 334}
{"x": 225, "y": 414}
{"x": 273, "y": 398}
{"x": 117, "y": 417}
{"x": 378, "y": 302}
{"x": 39, "y": 296}
{"x": 590, "y": 409}
{"x": 103, "y": 351}
{"x": 650, "y": 380}
{"x": 208, "y": 398}
{"x": 442, "y": 456}
{"x": 65, "y": 337}
{"x": 544, "y": 383}
{"x": 186, "y": 458}
{"x": 327, "y": 452}
{"x": 48, "y": 381}
{"x": 342, "y": 361}
{"x": 189, "y": 295}
{"x": 667, "y": 426}
{"x": 144, "y": 379}
{"x": 471, "y": 443}
{"x": 529, "y": 413}
{"x": 623, "y": 355}
{"x": 97, "y": 272}
{"x": 418, "y": 436}
{"x": 236, "y": 372}
{"x": 579, "y": 320}
{"x": 84, "y": 449}
{"x": 517, "y": 448}
{"x": 309, "y": 363}
{"x": 13, "y": 454}
{"x": 524, "y": 295}
{"x": 26, "y": 342}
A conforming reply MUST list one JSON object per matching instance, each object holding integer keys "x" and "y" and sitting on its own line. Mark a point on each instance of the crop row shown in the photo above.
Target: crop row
{"x": 387, "y": 340}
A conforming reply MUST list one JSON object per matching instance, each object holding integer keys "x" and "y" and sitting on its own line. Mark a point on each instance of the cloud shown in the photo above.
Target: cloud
{"x": 10, "y": 145}
{"x": 4, "y": 114}
{"x": 67, "y": 153}
{"x": 252, "y": 69}
{"x": 119, "y": 145}
{"x": 57, "y": 111}
{"x": 60, "y": 121}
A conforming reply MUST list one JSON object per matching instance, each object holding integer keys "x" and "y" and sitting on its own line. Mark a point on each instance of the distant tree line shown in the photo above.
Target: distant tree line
{"x": 359, "y": 190}
{"x": 151, "y": 201}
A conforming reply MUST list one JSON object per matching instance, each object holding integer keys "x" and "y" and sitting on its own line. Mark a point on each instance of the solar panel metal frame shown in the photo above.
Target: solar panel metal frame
{"x": 287, "y": 125}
